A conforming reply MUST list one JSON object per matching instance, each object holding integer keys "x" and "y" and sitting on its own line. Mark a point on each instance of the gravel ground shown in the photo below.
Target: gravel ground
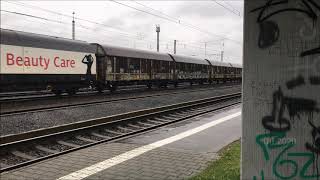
{"x": 14, "y": 124}
{"x": 53, "y": 101}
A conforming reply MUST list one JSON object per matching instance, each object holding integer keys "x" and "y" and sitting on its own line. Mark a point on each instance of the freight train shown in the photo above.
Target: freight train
{"x": 37, "y": 62}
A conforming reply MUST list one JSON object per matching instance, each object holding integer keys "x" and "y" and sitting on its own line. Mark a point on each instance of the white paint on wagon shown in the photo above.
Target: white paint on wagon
{"x": 83, "y": 173}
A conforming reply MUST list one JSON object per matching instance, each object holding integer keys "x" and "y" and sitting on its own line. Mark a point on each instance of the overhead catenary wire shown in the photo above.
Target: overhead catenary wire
{"x": 65, "y": 23}
{"x": 118, "y": 30}
{"x": 228, "y": 9}
{"x": 90, "y": 21}
{"x": 69, "y": 16}
{"x": 177, "y": 21}
{"x": 230, "y": 5}
{"x": 55, "y": 21}
{"x": 186, "y": 52}
{"x": 78, "y": 24}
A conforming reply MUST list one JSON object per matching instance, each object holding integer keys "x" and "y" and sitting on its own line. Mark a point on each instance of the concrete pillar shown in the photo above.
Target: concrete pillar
{"x": 281, "y": 91}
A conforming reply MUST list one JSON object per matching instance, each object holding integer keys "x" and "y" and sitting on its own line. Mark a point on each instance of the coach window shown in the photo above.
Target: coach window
{"x": 134, "y": 65}
{"x": 205, "y": 68}
{"x": 192, "y": 67}
{"x": 218, "y": 69}
{"x": 182, "y": 68}
{"x": 195, "y": 67}
{"x": 185, "y": 67}
{"x": 164, "y": 67}
{"x": 113, "y": 67}
{"x": 144, "y": 66}
{"x": 156, "y": 66}
{"x": 122, "y": 65}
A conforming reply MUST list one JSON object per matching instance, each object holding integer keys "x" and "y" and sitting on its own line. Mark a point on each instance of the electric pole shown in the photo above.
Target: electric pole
{"x": 205, "y": 49}
{"x": 175, "y": 46}
{"x": 158, "y": 31}
{"x": 73, "y": 27}
{"x": 222, "y": 52}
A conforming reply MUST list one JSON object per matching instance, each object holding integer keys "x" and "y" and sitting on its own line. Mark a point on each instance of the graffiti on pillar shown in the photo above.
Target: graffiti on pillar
{"x": 269, "y": 30}
{"x": 277, "y": 140}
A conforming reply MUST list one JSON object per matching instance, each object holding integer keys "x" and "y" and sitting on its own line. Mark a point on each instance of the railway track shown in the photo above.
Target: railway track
{"x": 42, "y": 95}
{"x": 5, "y": 112}
{"x": 34, "y": 146}
{"x": 36, "y": 95}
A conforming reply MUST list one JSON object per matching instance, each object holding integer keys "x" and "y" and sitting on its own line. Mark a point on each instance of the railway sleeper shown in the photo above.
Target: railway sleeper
{"x": 161, "y": 119}
{"x": 177, "y": 115}
{"x": 134, "y": 126}
{"x": 22, "y": 155}
{"x": 100, "y": 135}
{"x": 124, "y": 129}
{"x": 145, "y": 124}
{"x": 169, "y": 117}
{"x": 42, "y": 148}
{"x": 86, "y": 139}
{"x": 68, "y": 144}
{"x": 155, "y": 122}
{"x": 112, "y": 132}
{"x": 182, "y": 113}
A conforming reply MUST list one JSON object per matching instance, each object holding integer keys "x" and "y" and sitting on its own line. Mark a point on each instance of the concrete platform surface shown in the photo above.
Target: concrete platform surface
{"x": 176, "y": 151}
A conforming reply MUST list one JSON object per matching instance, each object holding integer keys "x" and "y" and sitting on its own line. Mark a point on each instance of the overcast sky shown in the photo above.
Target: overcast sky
{"x": 113, "y": 22}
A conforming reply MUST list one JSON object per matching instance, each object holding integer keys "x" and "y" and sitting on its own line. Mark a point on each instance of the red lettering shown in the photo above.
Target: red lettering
{"x": 10, "y": 60}
{"x": 63, "y": 63}
{"x": 55, "y": 61}
{"x": 72, "y": 63}
{"x": 18, "y": 60}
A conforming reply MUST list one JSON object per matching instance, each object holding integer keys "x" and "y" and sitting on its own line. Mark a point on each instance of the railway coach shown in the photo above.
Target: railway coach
{"x": 124, "y": 66}
{"x": 36, "y": 62}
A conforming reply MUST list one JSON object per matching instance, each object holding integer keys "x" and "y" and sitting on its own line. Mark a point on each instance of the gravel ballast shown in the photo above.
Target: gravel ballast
{"x": 15, "y": 124}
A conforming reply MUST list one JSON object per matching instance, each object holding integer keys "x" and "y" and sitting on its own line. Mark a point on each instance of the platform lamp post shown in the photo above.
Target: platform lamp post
{"x": 158, "y": 31}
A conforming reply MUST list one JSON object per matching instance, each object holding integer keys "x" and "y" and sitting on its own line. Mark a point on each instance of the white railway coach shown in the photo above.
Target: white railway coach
{"x": 31, "y": 61}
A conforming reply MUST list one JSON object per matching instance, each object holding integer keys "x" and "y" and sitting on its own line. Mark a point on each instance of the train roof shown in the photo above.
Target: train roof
{"x": 224, "y": 64}
{"x": 19, "y": 38}
{"x": 134, "y": 53}
{"x": 236, "y": 65}
{"x": 187, "y": 59}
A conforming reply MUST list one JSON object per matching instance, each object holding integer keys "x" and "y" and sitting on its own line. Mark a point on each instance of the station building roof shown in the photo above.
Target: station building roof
{"x": 134, "y": 53}
{"x": 188, "y": 59}
{"x": 19, "y": 38}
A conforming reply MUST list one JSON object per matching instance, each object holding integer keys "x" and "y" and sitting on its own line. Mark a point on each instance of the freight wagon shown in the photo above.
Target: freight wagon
{"x": 36, "y": 62}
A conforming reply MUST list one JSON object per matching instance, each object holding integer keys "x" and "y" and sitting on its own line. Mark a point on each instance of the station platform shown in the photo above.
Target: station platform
{"x": 177, "y": 151}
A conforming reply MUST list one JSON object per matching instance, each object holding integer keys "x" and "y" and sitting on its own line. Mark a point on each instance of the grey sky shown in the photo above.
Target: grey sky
{"x": 120, "y": 25}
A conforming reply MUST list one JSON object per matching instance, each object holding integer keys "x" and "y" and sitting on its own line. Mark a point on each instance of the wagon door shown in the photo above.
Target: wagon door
{"x": 101, "y": 71}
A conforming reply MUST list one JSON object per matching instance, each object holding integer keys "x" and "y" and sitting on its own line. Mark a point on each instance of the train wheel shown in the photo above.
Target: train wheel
{"x": 57, "y": 92}
{"x": 71, "y": 92}
{"x": 149, "y": 86}
{"x": 175, "y": 85}
{"x": 112, "y": 88}
{"x": 100, "y": 90}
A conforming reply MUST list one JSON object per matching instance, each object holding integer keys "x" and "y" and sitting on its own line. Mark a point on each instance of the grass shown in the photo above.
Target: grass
{"x": 227, "y": 167}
